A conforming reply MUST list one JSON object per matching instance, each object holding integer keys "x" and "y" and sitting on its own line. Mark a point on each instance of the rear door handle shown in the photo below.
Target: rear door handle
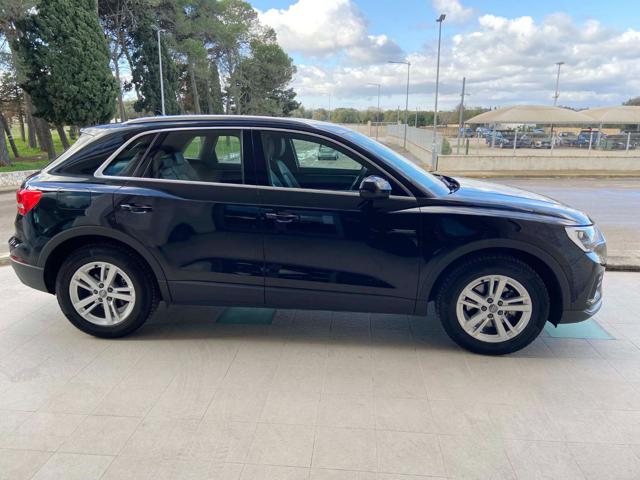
{"x": 282, "y": 217}
{"x": 133, "y": 208}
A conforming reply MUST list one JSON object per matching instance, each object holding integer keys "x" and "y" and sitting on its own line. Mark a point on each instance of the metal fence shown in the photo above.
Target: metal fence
{"x": 586, "y": 139}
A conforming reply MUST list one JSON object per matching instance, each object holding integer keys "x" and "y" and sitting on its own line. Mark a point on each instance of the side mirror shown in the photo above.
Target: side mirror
{"x": 375, "y": 187}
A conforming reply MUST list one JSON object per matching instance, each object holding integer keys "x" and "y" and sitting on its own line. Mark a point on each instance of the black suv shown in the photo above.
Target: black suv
{"x": 215, "y": 210}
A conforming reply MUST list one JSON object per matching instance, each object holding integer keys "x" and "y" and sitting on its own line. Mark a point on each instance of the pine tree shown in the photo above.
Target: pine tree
{"x": 66, "y": 62}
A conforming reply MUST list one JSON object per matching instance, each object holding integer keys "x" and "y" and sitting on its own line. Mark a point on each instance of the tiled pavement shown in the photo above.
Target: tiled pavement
{"x": 315, "y": 395}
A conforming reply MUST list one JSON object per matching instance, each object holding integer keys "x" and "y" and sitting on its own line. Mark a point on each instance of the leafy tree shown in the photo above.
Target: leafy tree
{"x": 262, "y": 78}
{"x": 634, "y": 102}
{"x": 66, "y": 63}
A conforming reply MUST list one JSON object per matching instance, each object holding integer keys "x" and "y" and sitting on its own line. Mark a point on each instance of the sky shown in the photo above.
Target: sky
{"x": 507, "y": 50}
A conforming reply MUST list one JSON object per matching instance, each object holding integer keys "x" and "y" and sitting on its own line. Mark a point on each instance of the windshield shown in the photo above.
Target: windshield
{"x": 409, "y": 169}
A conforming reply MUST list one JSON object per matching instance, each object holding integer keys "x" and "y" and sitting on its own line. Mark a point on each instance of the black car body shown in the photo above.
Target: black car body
{"x": 248, "y": 216}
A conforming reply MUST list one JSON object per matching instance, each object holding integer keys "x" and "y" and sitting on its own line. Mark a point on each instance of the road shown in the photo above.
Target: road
{"x": 614, "y": 203}
{"x": 7, "y": 215}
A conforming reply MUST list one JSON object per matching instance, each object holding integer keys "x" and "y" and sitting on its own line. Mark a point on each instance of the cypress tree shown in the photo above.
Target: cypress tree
{"x": 146, "y": 73}
{"x": 66, "y": 63}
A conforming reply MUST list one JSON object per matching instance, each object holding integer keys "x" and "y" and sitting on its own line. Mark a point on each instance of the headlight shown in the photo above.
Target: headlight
{"x": 587, "y": 238}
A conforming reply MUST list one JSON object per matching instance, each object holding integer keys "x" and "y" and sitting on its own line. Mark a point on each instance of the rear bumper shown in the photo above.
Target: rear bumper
{"x": 29, "y": 275}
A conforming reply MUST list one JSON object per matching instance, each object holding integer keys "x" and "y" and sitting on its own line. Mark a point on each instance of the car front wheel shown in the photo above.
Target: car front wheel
{"x": 493, "y": 304}
{"x": 105, "y": 291}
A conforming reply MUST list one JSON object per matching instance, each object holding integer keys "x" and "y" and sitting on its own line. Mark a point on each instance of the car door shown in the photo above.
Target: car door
{"x": 325, "y": 247}
{"x": 191, "y": 203}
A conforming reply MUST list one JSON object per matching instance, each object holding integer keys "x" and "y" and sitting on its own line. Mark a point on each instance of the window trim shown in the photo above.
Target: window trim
{"x": 99, "y": 172}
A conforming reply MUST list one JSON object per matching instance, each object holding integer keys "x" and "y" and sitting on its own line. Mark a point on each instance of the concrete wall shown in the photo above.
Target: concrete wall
{"x": 559, "y": 164}
{"x": 14, "y": 179}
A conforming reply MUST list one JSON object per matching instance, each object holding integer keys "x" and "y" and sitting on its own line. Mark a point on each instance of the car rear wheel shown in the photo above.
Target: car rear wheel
{"x": 105, "y": 292}
{"x": 493, "y": 304}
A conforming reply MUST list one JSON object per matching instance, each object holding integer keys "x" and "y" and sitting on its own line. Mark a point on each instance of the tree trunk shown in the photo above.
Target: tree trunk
{"x": 127, "y": 55}
{"x": 43, "y": 131}
{"x": 31, "y": 123}
{"x": 210, "y": 106}
{"x": 5, "y": 159}
{"x": 63, "y": 136}
{"x": 21, "y": 116}
{"x": 116, "y": 58}
{"x": 194, "y": 89}
{"x": 7, "y": 130}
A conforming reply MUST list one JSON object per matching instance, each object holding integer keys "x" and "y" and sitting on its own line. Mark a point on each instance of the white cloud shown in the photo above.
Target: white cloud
{"x": 455, "y": 11}
{"x": 506, "y": 61}
{"x": 321, "y": 28}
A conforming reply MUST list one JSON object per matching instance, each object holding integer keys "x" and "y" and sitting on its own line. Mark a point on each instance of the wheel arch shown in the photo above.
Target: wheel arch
{"x": 57, "y": 249}
{"x": 544, "y": 264}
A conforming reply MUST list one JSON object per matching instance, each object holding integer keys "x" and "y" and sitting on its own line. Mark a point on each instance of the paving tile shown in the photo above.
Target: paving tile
{"x": 328, "y": 474}
{"x": 100, "y": 435}
{"x": 533, "y": 460}
{"x": 270, "y": 472}
{"x": 287, "y": 445}
{"x": 404, "y": 414}
{"x": 356, "y": 411}
{"x": 291, "y": 407}
{"x": 604, "y": 462}
{"x": 236, "y": 404}
{"x": 72, "y": 466}
{"x": 475, "y": 457}
{"x": 21, "y": 464}
{"x": 345, "y": 448}
{"x": 409, "y": 453}
{"x": 42, "y": 431}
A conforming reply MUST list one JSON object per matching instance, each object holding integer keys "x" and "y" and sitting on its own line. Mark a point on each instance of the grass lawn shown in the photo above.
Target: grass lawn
{"x": 30, "y": 158}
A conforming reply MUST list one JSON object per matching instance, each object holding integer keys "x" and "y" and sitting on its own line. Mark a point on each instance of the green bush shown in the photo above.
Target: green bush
{"x": 445, "y": 149}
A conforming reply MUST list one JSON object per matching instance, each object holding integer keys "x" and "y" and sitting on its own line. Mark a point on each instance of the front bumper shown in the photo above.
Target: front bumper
{"x": 29, "y": 275}
{"x": 591, "y": 304}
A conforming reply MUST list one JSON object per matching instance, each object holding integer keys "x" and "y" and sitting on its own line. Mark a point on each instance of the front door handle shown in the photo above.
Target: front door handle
{"x": 282, "y": 217}
{"x": 133, "y": 208}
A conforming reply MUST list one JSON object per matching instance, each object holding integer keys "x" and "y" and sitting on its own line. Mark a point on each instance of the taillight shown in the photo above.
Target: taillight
{"x": 27, "y": 199}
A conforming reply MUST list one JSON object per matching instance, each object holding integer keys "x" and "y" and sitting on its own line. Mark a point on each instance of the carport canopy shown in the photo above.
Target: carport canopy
{"x": 622, "y": 114}
{"x": 537, "y": 114}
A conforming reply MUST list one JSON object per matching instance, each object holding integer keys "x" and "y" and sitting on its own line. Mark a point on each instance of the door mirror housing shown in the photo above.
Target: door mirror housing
{"x": 375, "y": 187}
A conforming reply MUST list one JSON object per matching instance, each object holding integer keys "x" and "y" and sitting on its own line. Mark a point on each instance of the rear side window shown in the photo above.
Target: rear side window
{"x": 210, "y": 155}
{"x": 128, "y": 159}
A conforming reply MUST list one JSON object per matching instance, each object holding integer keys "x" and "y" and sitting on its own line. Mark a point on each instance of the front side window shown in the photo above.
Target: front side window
{"x": 198, "y": 155}
{"x": 303, "y": 161}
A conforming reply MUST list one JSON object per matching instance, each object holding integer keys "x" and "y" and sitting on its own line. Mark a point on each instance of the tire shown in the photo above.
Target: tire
{"x": 132, "y": 279}
{"x": 503, "y": 333}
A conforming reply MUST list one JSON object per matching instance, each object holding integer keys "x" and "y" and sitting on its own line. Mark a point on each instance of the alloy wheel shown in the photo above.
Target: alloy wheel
{"x": 494, "y": 308}
{"x": 102, "y": 293}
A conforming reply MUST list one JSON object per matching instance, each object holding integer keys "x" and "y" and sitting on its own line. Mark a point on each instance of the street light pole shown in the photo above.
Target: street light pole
{"x": 406, "y": 103}
{"x": 461, "y": 117}
{"x": 555, "y": 97}
{"x": 434, "y": 153}
{"x": 161, "y": 75}
{"x": 378, "y": 110}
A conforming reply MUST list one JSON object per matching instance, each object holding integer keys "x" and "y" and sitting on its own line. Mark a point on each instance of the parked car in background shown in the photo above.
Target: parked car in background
{"x": 466, "y": 132}
{"x": 567, "y": 139}
{"x": 225, "y": 210}
{"x": 541, "y": 142}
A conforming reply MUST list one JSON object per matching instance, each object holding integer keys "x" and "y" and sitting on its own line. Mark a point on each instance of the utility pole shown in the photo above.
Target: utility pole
{"x": 434, "y": 153}
{"x": 378, "y": 110}
{"x": 406, "y": 102}
{"x": 161, "y": 75}
{"x": 460, "y": 124}
{"x": 555, "y": 97}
